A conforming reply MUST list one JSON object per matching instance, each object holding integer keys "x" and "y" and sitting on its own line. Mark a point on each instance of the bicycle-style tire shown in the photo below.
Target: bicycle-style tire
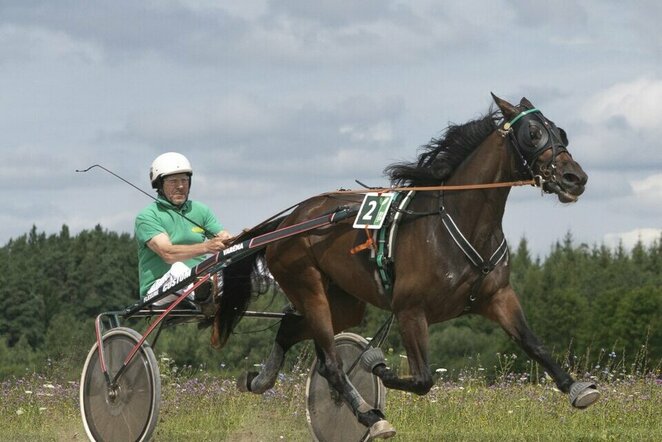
{"x": 130, "y": 410}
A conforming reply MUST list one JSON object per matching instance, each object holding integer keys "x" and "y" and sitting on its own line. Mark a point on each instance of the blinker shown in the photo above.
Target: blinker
{"x": 549, "y": 135}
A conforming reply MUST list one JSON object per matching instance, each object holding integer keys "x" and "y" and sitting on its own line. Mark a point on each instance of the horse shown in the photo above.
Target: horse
{"x": 450, "y": 257}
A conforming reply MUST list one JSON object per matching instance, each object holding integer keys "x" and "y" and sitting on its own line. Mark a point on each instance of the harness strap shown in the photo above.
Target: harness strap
{"x": 368, "y": 244}
{"x": 485, "y": 266}
{"x": 386, "y": 242}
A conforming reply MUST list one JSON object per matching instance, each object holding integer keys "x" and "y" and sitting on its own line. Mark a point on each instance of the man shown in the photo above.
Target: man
{"x": 174, "y": 233}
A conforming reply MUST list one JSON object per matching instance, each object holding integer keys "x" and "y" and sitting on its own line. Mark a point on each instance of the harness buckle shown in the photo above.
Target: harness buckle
{"x": 539, "y": 181}
{"x": 507, "y": 129}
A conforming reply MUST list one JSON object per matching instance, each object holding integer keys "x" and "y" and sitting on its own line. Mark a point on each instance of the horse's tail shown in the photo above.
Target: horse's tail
{"x": 241, "y": 280}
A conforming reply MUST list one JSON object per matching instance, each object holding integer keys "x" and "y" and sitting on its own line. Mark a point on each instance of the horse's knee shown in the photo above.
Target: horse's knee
{"x": 330, "y": 372}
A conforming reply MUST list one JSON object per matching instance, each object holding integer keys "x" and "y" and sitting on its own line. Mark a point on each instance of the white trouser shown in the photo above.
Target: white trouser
{"x": 177, "y": 272}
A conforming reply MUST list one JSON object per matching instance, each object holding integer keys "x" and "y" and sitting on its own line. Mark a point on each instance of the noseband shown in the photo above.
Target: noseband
{"x": 519, "y": 130}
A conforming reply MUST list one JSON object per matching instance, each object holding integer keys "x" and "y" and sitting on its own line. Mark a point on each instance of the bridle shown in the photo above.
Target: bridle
{"x": 519, "y": 129}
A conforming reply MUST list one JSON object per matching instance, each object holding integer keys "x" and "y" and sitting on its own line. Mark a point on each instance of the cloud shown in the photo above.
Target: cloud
{"x": 125, "y": 28}
{"x": 638, "y": 103}
{"x": 649, "y": 190}
{"x": 651, "y": 184}
{"x": 281, "y": 33}
{"x": 337, "y": 13}
{"x": 232, "y": 117}
{"x": 620, "y": 127}
{"x": 566, "y": 14}
{"x": 20, "y": 43}
{"x": 31, "y": 167}
{"x": 241, "y": 135}
{"x": 644, "y": 21}
{"x": 647, "y": 236}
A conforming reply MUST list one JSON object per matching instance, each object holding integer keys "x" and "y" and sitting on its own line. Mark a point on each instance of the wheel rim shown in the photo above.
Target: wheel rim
{"x": 125, "y": 411}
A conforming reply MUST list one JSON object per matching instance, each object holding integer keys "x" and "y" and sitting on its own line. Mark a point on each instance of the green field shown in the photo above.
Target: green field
{"x": 199, "y": 407}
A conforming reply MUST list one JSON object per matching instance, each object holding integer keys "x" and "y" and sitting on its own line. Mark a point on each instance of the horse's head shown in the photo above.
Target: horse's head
{"x": 544, "y": 148}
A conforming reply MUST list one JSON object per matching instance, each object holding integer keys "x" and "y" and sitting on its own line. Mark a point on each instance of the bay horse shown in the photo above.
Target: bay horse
{"x": 450, "y": 257}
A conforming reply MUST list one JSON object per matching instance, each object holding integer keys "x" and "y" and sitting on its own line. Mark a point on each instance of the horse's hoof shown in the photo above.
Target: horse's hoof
{"x": 381, "y": 430}
{"x": 583, "y": 394}
{"x": 244, "y": 381}
{"x": 372, "y": 357}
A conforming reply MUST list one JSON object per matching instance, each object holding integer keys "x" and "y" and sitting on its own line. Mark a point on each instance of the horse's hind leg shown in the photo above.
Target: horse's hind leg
{"x": 289, "y": 333}
{"x": 505, "y": 309}
{"x": 346, "y": 311}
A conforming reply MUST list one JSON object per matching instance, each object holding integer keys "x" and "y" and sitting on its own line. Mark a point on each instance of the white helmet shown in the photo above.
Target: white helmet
{"x": 168, "y": 163}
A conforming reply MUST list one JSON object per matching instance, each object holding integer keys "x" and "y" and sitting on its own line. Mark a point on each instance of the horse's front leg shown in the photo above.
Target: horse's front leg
{"x": 505, "y": 309}
{"x": 414, "y": 333}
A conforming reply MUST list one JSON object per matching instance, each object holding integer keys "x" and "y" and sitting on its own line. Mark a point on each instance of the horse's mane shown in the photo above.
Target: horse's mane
{"x": 441, "y": 156}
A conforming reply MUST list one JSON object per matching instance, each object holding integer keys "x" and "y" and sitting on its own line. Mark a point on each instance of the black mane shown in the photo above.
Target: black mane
{"x": 442, "y": 155}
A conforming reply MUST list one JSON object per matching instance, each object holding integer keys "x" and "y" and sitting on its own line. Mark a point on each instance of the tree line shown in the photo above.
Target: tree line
{"x": 584, "y": 302}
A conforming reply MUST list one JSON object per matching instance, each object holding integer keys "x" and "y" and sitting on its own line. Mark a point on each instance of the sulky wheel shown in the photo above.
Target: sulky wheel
{"x": 329, "y": 418}
{"x": 129, "y": 410}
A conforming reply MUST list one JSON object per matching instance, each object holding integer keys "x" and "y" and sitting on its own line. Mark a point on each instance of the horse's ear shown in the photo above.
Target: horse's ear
{"x": 525, "y": 103}
{"x": 507, "y": 109}
{"x": 564, "y": 137}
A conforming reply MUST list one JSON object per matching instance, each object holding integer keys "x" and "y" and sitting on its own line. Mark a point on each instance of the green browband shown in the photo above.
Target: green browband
{"x": 510, "y": 124}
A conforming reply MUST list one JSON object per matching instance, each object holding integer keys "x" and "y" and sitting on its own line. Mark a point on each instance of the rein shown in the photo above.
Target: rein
{"x": 530, "y": 182}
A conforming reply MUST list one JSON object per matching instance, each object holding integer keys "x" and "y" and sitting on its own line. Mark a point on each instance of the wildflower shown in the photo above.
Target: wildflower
{"x": 441, "y": 370}
{"x": 20, "y": 411}
{"x": 28, "y": 392}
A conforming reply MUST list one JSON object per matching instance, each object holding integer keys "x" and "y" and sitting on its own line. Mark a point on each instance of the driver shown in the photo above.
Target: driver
{"x": 172, "y": 232}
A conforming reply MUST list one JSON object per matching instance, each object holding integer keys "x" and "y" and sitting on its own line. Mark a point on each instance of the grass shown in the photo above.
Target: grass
{"x": 196, "y": 406}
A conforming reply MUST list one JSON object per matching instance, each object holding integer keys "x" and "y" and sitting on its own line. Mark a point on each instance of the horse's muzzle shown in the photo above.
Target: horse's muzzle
{"x": 569, "y": 184}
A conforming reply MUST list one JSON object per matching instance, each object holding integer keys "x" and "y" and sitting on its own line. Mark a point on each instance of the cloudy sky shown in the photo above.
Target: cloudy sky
{"x": 275, "y": 101}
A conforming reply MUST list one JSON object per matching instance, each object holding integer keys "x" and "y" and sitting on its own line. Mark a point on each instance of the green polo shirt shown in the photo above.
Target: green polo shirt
{"x": 161, "y": 217}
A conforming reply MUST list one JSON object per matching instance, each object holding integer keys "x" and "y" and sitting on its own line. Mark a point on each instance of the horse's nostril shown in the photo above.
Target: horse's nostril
{"x": 574, "y": 179}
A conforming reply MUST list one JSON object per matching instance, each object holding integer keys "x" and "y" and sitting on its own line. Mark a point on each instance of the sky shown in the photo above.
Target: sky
{"x": 277, "y": 101}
